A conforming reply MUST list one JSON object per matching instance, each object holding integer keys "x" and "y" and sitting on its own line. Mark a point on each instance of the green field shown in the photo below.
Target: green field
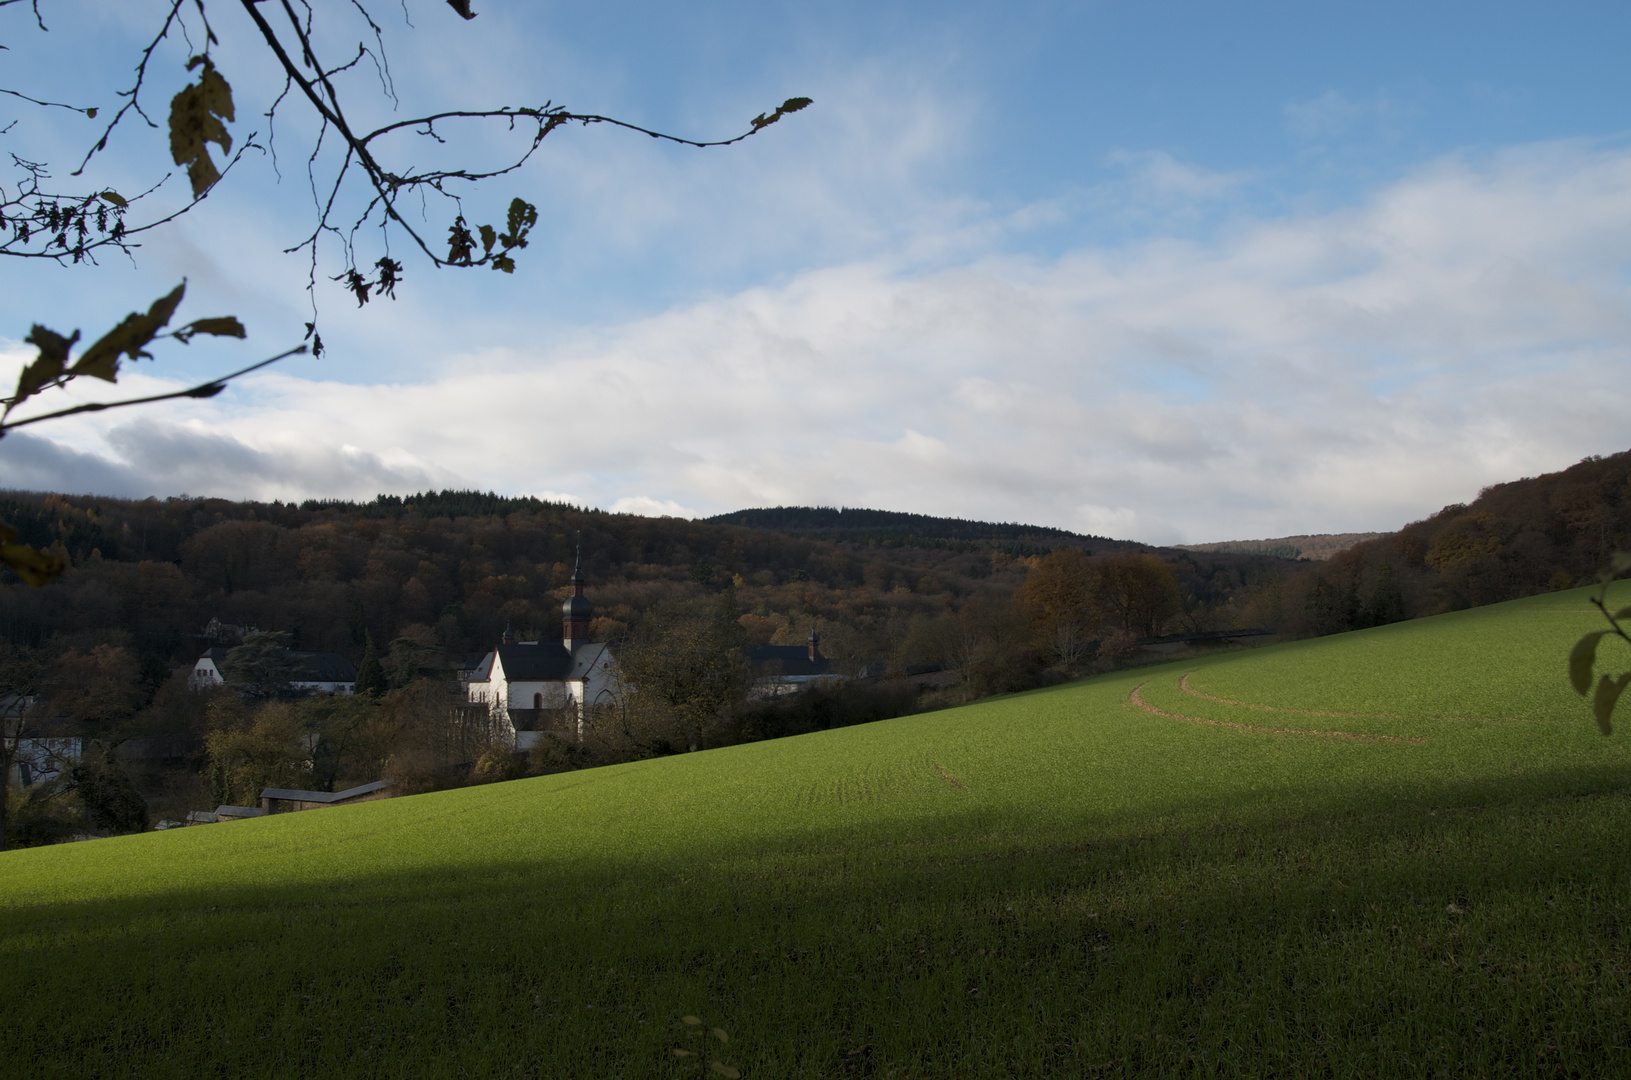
{"x": 1223, "y": 882}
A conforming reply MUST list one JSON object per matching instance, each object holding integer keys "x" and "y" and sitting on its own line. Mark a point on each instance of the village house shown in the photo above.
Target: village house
{"x": 534, "y": 687}
{"x": 320, "y": 672}
{"x": 785, "y": 669}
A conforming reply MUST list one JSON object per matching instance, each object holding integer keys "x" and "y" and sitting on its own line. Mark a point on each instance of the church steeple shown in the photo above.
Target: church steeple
{"x": 576, "y": 611}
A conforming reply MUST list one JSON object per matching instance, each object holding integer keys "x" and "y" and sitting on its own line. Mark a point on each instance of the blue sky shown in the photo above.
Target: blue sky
{"x": 1171, "y": 271}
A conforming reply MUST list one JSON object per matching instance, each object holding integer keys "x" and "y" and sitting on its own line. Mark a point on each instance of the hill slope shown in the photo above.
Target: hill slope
{"x": 1393, "y": 850}
{"x": 1316, "y": 547}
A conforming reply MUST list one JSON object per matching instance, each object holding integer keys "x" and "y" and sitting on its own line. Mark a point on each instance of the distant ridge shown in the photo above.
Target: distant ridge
{"x": 1317, "y": 547}
{"x": 894, "y": 528}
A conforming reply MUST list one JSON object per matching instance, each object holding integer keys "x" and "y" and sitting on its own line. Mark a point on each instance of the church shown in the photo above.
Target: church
{"x": 538, "y": 687}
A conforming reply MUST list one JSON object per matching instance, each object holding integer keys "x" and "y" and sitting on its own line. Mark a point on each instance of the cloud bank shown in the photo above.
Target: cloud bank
{"x": 1341, "y": 371}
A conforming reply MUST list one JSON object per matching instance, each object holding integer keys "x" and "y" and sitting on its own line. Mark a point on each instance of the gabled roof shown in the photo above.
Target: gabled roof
{"x": 216, "y": 654}
{"x": 324, "y": 667}
{"x": 546, "y": 661}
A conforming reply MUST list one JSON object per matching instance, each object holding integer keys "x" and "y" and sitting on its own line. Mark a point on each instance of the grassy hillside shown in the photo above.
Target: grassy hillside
{"x": 1386, "y": 853}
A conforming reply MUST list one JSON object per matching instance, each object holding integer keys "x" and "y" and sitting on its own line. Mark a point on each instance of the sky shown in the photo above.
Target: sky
{"x": 1166, "y": 271}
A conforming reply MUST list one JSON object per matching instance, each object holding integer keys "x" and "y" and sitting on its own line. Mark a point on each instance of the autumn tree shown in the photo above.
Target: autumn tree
{"x": 1061, "y": 599}
{"x": 683, "y": 673}
{"x": 1140, "y": 592}
{"x": 252, "y": 747}
{"x": 101, "y": 689}
{"x": 434, "y": 736}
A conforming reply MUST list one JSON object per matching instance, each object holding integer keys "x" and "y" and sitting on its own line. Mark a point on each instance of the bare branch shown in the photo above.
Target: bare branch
{"x": 93, "y": 210}
{"x": 90, "y": 112}
{"x": 133, "y": 95}
{"x": 202, "y": 390}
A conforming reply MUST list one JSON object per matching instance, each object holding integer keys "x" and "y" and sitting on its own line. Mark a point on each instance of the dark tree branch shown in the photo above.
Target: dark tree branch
{"x": 133, "y": 95}
{"x": 91, "y": 112}
{"x": 202, "y": 390}
{"x": 39, "y": 205}
{"x": 64, "y": 224}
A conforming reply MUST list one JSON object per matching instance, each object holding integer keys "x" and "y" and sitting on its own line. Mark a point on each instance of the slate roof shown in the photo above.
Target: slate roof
{"x": 546, "y": 661}
{"x": 790, "y": 660}
{"x": 324, "y": 667}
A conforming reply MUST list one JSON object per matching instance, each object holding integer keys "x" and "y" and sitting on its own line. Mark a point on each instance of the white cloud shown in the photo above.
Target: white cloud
{"x": 1348, "y": 371}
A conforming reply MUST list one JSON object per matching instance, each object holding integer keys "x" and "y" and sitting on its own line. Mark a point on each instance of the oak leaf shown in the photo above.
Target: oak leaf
{"x": 195, "y": 119}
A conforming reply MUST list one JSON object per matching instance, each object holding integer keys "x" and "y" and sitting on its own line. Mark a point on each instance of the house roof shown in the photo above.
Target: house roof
{"x": 790, "y": 659}
{"x": 546, "y": 661}
{"x": 324, "y": 667}
{"x": 314, "y": 666}
{"x": 541, "y": 661}
{"x": 585, "y": 657}
{"x": 296, "y": 795}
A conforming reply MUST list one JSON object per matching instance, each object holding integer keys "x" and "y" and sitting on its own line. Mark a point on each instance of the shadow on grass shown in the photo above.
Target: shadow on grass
{"x": 1458, "y": 930}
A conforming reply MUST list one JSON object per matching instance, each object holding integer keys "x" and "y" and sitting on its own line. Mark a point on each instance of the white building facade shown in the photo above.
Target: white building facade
{"x": 534, "y": 687}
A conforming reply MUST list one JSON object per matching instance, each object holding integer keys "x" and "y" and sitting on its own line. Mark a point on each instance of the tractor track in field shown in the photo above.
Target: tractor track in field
{"x": 1183, "y": 684}
{"x": 1137, "y": 700}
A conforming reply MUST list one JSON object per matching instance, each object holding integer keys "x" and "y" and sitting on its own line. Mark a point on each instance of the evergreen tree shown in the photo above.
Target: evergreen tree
{"x": 261, "y": 669}
{"x": 370, "y": 676}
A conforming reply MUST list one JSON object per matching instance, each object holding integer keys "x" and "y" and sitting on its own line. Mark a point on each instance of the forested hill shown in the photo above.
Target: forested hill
{"x": 890, "y": 528}
{"x": 453, "y": 568}
{"x": 1516, "y": 539}
{"x": 445, "y": 504}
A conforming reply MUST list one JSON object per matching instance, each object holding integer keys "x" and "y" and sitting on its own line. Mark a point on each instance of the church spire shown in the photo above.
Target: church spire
{"x": 577, "y": 611}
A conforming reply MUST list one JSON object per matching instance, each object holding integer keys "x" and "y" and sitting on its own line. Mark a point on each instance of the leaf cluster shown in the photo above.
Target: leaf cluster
{"x": 1605, "y": 693}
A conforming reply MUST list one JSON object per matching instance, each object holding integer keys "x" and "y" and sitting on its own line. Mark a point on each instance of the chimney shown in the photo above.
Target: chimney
{"x": 508, "y": 637}
{"x": 815, "y": 646}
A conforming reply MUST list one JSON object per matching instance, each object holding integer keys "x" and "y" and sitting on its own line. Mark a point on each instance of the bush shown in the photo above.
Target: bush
{"x": 498, "y": 762}
{"x": 111, "y": 800}
{"x": 826, "y": 706}
{"x": 41, "y": 814}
